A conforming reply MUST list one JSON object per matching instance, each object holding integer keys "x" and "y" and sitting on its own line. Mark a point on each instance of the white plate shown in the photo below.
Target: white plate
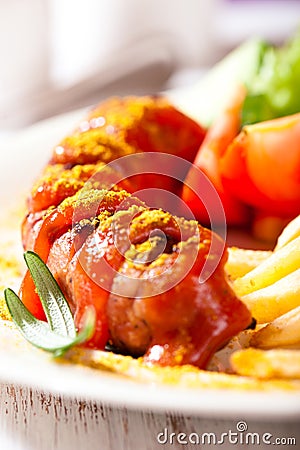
{"x": 21, "y": 161}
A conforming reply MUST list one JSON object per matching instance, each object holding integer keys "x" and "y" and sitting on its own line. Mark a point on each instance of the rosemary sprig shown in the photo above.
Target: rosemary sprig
{"x": 56, "y": 307}
{"x": 58, "y": 334}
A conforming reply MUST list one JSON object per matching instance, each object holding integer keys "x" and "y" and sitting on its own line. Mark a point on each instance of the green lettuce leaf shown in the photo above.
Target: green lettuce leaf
{"x": 275, "y": 90}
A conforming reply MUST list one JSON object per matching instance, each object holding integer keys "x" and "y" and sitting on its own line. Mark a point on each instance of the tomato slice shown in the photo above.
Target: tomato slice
{"x": 215, "y": 144}
{"x": 262, "y": 166}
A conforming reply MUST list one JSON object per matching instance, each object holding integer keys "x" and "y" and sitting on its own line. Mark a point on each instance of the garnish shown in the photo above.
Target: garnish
{"x": 275, "y": 90}
{"x": 58, "y": 334}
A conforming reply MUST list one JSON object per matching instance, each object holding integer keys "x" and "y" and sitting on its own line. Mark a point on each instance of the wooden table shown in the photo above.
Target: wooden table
{"x": 35, "y": 420}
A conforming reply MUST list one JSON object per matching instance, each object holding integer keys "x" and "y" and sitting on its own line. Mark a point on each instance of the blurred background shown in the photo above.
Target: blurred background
{"x": 57, "y": 55}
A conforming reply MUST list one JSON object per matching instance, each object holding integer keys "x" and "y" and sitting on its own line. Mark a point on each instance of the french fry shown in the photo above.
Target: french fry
{"x": 278, "y": 265}
{"x": 268, "y": 303}
{"x": 290, "y": 232}
{"x": 267, "y": 364}
{"x": 282, "y": 332}
{"x": 241, "y": 261}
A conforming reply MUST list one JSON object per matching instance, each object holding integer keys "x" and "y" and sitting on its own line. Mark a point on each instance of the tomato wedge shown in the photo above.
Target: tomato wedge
{"x": 261, "y": 167}
{"x": 215, "y": 144}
